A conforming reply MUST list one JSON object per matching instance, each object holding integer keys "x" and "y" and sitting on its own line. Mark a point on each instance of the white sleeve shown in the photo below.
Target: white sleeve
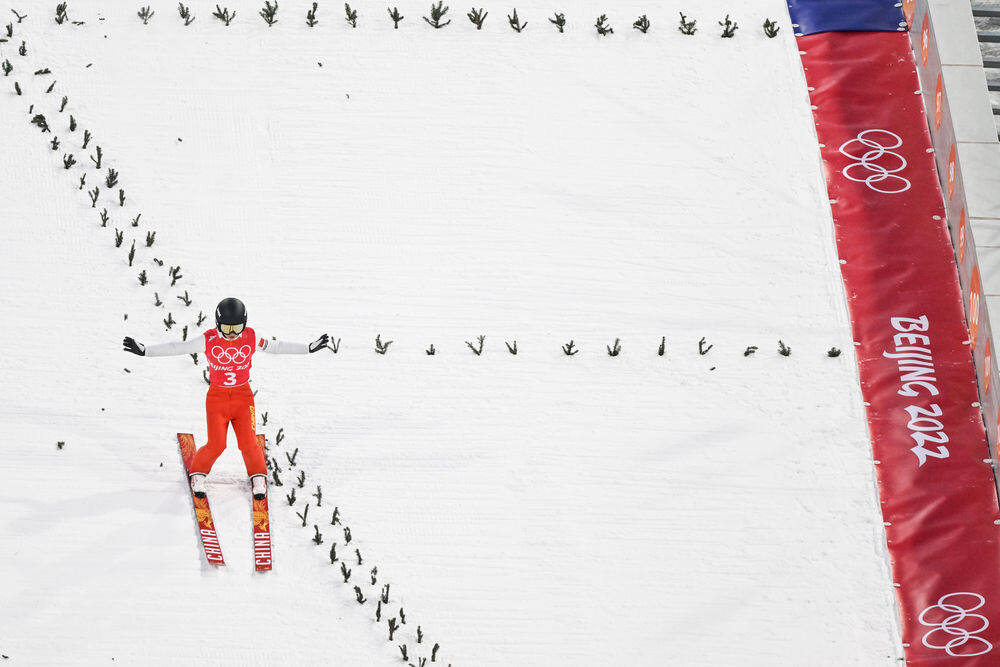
{"x": 272, "y": 346}
{"x": 180, "y": 347}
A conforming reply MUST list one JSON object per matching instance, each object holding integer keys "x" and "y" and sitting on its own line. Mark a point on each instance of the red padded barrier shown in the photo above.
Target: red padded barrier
{"x": 936, "y": 488}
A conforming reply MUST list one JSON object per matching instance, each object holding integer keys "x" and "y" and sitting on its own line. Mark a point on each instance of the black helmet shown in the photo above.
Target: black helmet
{"x": 230, "y": 312}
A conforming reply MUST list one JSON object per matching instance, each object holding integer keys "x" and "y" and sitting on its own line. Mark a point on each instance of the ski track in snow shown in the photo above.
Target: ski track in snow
{"x": 431, "y": 186}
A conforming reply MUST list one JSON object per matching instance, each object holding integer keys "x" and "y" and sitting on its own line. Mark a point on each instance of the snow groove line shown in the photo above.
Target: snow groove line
{"x": 383, "y": 592}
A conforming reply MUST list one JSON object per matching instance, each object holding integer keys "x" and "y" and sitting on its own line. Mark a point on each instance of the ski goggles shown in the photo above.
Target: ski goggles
{"x": 231, "y": 328}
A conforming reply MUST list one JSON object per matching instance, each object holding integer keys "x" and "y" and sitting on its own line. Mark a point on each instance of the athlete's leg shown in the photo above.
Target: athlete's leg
{"x": 244, "y": 423}
{"x": 217, "y": 418}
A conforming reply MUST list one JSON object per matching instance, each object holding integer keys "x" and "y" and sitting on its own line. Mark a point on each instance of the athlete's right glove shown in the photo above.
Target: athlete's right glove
{"x": 133, "y": 347}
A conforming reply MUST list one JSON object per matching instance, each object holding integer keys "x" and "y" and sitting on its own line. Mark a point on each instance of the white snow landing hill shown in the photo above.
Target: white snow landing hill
{"x": 429, "y": 186}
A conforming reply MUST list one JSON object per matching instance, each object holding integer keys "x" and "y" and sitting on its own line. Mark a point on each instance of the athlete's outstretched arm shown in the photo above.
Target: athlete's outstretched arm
{"x": 285, "y": 347}
{"x": 164, "y": 349}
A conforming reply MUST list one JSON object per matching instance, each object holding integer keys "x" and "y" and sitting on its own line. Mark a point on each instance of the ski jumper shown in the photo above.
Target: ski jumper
{"x": 229, "y": 398}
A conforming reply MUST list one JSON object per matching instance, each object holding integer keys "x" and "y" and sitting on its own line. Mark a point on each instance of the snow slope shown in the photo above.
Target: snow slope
{"x": 432, "y": 186}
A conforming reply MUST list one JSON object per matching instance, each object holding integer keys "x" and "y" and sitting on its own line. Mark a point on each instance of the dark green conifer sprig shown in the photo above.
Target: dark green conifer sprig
{"x": 833, "y": 352}
{"x": 224, "y": 15}
{"x": 97, "y": 160}
{"x": 61, "y": 16}
{"x": 374, "y": 574}
{"x": 663, "y": 347}
{"x": 270, "y": 12}
{"x": 512, "y": 348}
{"x": 603, "y": 28}
{"x": 616, "y": 350}
{"x": 54, "y": 143}
{"x": 728, "y": 27}
{"x": 131, "y": 256}
{"x": 111, "y": 180}
{"x": 396, "y": 17}
{"x": 145, "y": 13}
{"x": 318, "y": 537}
{"x": 771, "y": 28}
{"x": 86, "y": 139}
{"x": 68, "y": 160}
{"x": 94, "y": 194}
{"x": 303, "y": 515}
{"x": 335, "y": 518}
{"x": 135, "y": 220}
{"x": 302, "y": 479}
{"x": 150, "y": 238}
{"x": 175, "y": 275}
{"x": 559, "y": 21}
{"x": 10, "y": 29}
{"x": 392, "y": 627}
{"x": 402, "y": 649}
{"x": 185, "y": 13}
{"x": 420, "y": 635}
{"x": 43, "y": 71}
{"x": 201, "y": 318}
{"x": 7, "y": 67}
{"x": 515, "y": 22}
{"x": 334, "y": 345}
{"x": 641, "y": 24}
{"x": 62, "y": 106}
{"x": 477, "y": 16}
{"x": 477, "y": 350}
{"x": 39, "y": 120}
{"x": 72, "y": 123}
{"x": 431, "y": 351}
{"x": 687, "y": 27}
{"x": 311, "y": 19}
{"x": 186, "y": 300}
{"x": 291, "y": 457}
{"x": 20, "y": 17}
{"x": 345, "y": 572}
{"x": 119, "y": 237}
{"x": 352, "y": 15}
{"x": 23, "y": 49}
{"x": 83, "y": 180}
{"x": 437, "y": 13}
{"x": 385, "y": 594}
{"x": 104, "y": 217}
{"x": 702, "y": 350}
{"x": 568, "y": 349}
{"x": 143, "y": 279}
{"x": 357, "y": 594}
{"x": 783, "y": 349}
{"x": 156, "y": 299}
{"x": 51, "y": 86}
{"x": 333, "y": 553}
{"x": 276, "y": 479}
{"x": 434, "y": 652}
{"x": 750, "y": 350}
{"x": 318, "y": 496}
{"x": 380, "y": 347}
{"x": 169, "y": 322}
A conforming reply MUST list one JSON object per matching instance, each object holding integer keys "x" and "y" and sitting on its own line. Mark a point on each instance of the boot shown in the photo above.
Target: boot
{"x": 198, "y": 484}
{"x": 259, "y": 486}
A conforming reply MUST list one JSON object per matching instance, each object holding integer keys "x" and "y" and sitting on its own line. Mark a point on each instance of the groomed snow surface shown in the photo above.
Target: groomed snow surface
{"x": 430, "y": 186}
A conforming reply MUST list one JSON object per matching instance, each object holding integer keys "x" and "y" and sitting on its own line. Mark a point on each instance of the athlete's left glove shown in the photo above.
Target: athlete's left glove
{"x": 319, "y": 343}
{"x": 133, "y": 347}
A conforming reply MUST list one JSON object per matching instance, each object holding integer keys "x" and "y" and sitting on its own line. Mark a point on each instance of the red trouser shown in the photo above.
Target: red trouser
{"x": 224, "y": 405}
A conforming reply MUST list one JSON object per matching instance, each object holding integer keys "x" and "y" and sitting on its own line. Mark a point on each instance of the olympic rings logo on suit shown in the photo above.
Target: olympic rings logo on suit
{"x": 874, "y": 171}
{"x": 232, "y": 355}
{"x": 955, "y": 626}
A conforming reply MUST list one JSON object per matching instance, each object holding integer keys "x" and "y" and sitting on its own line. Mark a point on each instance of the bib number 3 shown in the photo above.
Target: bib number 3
{"x": 230, "y": 379}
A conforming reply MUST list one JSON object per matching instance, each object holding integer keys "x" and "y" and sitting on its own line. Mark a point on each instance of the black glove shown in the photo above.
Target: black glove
{"x": 133, "y": 347}
{"x": 319, "y": 343}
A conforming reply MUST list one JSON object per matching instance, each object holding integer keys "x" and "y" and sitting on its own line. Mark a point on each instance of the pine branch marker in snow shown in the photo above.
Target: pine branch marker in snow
{"x": 318, "y": 496}
{"x": 477, "y": 16}
{"x": 169, "y": 321}
{"x": 43, "y": 71}
{"x": 385, "y": 594}
{"x": 303, "y": 515}
{"x": 311, "y": 19}
{"x": 357, "y": 594}
{"x": 291, "y": 459}
{"x": 568, "y": 349}
{"x": 663, "y": 347}
{"x": 61, "y": 16}
{"x": 378, "y": 612}
{"x": 224, "y": 15}
{"x": 54, "y": 143}
{"x": 771, "y": 28}
{"x": 559, "y": 22}
{"x": 515, "y": 22}
{"x": 687, "y": 27}
{"x": 145, "y": 14}
{"x": 750, "y": 350}
{"x": 175, "y": 275}
{"x": 156, "y": 299}
{"x": 729, "y": 27}
{"x": 345, "y": 572}
{"x": 23, "y": 49}
{"x": 335, "y": 518}
{"x": 437, "y": 13}
{"x": 119, "y": 237}
{"x": 86, "y": 139}
{"x": 100, "y": 156}
{"x": 434, "y": 652}
{"x": 185, "y": 13}
{"x": 702, "y": 350}
{"x": 402, "y": 649}
{"x": 477, "y": 350}
{"x": 334, "y": 345}
{"x": 333, "y": 553}
{"x": 347, "y": 534}
{"x": 357, "y": 552}
{"x": 276, "y": 479}
{"x": 641, "y": 24}
{"x": 111, "y": 180}
{"x": 302, "y": 479}
{"x": 201, "y": 318}
{"x": 270, "y": 12}
{"x": 783, "y": 349}
{"x": 93, "y": 196}
{"x": 83, "y": 180}
{"x": 396, "y": 17}
{"x": 431, "y": 351}
{"x": 186, "y": 299}
{"x": 51, "y": 86}
{"x": 131, "y": 253}
{"x": 392, "y": 628}
{"x": 420, "y": 635}
{"x": 60, "y": 444}
{"x": 381, "y": 347}
{"x": 833, "y": 352}
{"x": 19, "y": 16}
{"x": 104, "y": 217}
{"x": 602, "y": 27}
{"x": 402, "y": 616}
{"x": 318, "y": 537}
{"x": 150, "y": 238}
{"x": 281, "y": 436}
{"x": 614, "y": 351}
{"x": 7, "y": 67}
{"x": 62, "y": 106}
{"x": 352, "y": 15}
{"x": 72, "y": 123}
{"x": 68, "y": 161}
{"x": 142, "y": 277}
{"x": 374, "y": 574}
{"x": 37, "y": 119}
{"x": 511, "y": 348}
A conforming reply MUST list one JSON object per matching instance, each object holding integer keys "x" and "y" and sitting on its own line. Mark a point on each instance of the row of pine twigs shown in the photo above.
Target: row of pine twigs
{"x": 110, "y": 180}
{"x": 437, "y": 17}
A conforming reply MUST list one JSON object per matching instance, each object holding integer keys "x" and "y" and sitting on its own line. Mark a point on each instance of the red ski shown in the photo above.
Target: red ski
{"x": 261, "y": 526}
{"x": 202, "y": 512}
